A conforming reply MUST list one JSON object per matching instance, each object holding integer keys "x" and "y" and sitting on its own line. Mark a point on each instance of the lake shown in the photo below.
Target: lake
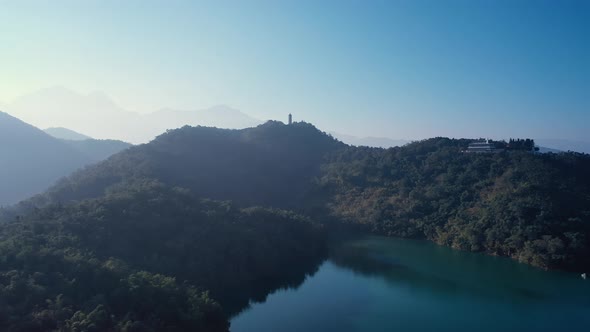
{"x": 388, "y": 284}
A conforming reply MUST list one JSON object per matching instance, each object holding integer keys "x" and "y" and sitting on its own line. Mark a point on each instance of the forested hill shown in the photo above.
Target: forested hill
{"x": 147, "y": 258}
{"x": 176, "y": 262}
{"x": 272, "y": 164}
{"x": 532, "y": 207}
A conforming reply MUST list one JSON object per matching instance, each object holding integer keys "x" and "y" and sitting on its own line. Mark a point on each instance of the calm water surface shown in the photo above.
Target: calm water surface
{"x": 387, "y": 284}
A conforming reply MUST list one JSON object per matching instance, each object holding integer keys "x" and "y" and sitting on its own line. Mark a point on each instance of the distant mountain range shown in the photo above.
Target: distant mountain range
{"x": 95, "y": 149}
{"x": 96, "y": 115}
{"x": 32, "y": 160}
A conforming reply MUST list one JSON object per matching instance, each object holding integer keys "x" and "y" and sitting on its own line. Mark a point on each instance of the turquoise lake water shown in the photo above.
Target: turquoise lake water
{"x": 388, "y": 284}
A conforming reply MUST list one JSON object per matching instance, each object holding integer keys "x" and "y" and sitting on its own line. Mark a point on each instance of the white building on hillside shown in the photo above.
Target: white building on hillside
{"x": 482, "y": 147}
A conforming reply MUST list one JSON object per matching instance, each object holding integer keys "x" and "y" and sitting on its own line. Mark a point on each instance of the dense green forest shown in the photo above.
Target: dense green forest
{"x": 534, "y": 208}
{"x": 149, "y": 258}
{"x": 272, "y": 165}
{"x": 130, "y": 244}
{"x": 529, "y": 206}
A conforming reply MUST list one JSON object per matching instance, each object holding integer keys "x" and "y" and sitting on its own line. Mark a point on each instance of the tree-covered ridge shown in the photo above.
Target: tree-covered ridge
{"x": 513, "y": 144}
{"x": 534, "y": 208}
{"x": 272, "y": 165}
{"x": 147, "y": 258}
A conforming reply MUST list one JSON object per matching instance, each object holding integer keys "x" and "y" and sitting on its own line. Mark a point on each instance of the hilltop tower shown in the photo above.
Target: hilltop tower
{"x": 290, "y": 119}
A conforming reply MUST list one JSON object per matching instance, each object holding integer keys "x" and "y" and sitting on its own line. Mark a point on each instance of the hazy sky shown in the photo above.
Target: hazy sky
{"x": 402, "y": 69}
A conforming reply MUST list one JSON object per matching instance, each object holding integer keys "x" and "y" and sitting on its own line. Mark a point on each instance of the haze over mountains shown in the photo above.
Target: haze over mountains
{"x": 65, "y": 133}
{"x": 169, "y": 243}
{"x": 97, "y": 115}
{"x": 294, "y": 166}
{"x": 95, "y": 149}
{"x": 98, "y": 149}
{"x": 32, "y": 159}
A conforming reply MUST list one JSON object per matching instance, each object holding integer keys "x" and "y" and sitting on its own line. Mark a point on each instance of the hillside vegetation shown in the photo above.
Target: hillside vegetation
{"x": 272, "y": 164}
{"x": 130, "y": 244}
{"x": 148, "y": 258}
{"x": 534, "y": 208}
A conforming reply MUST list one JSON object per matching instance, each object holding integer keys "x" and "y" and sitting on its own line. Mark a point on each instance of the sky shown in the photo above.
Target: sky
{"x": 399, "y": 69}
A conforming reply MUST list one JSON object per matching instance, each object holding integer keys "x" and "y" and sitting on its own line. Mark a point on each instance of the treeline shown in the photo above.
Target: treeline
{"x": 147, "y": 258}
{"x": 534, "y": 208}
{"x": 517, "y": 144}
{"x": 521, "y": 144}
{"x": 271, "y": 165}
{"x": 119, "y": 247}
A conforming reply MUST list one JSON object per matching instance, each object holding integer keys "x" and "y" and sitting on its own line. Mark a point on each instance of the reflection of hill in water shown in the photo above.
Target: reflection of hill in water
{"x": 239, "y": 299}
{"x": 377, "y": 263}
{"x": 389, "y": 284}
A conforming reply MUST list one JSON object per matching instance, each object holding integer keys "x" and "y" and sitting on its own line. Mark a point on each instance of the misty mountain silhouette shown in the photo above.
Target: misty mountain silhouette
{"x": 31, "y": 159}
{"x": 98, "y": 149}
{"x": 98, "y": 116}
{"x": 65, "y": 133}
{"x": 95, "y": 149}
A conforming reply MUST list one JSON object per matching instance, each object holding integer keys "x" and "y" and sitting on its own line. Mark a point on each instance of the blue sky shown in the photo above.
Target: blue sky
{"x": 401, "y": 69}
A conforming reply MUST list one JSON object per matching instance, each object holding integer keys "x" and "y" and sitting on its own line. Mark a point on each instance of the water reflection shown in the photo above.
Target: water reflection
{"x": 384, "y": 284}
{"x": 240, "y": 297}
{"x": 369, "y": 259}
